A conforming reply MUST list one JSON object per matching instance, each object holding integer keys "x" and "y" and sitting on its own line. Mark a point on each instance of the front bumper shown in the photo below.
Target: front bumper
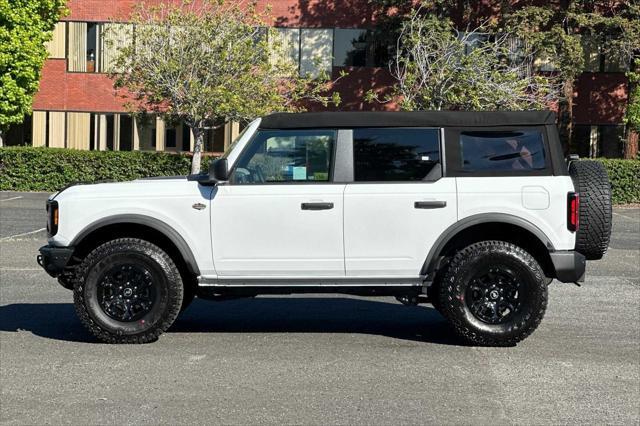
{"x": 570, "y": 265}
{"x": 54, "y": 259}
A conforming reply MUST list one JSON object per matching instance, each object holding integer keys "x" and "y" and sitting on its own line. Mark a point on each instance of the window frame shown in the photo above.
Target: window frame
{"x": 441, "y": 160}
{"x": 99, "y": 29}
{"x": 453, "y": 150}
{"x": 250, "y": 142}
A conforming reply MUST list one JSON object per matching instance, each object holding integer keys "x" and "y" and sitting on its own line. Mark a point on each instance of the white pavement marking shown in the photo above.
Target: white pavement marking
{"x": 625, "y": 216}
{"x": 24, "y": 234}
{"x": 9, "y": 199}
{"x": 20, "y": 269}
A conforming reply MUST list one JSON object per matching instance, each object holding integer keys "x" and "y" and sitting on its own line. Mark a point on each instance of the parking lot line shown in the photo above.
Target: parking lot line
{"x": 24, "y": 234}
{"x": 9, "y": 199}
{"x": 625, "y": 216}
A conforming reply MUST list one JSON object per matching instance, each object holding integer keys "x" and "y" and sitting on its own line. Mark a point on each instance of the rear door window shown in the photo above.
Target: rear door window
{"x": 514, "y": 150}
{"x": 396, "y": 154}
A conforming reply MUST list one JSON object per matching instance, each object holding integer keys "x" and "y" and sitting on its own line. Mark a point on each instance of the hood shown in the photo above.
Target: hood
{"x": 142, "y": 188}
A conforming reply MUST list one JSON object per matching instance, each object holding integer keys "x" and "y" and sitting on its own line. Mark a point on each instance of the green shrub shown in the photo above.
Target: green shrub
{"x": 625, "y": 180}
{"x": 49, "y": 169}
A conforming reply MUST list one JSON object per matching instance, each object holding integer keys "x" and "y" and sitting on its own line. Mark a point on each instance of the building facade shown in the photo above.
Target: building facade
{"x": 77, "y": 106}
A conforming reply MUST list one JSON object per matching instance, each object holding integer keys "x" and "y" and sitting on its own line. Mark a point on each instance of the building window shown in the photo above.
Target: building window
{"x": 146, "y": 132}
{"x": 473, "y": 40}
{"x": 170, "y": 137}
{"x": 20, "y": 134}
{"x": 57, "y": 45}
{"x": 112, "y": 38}
{"x": 360, "y": 48}
{"x": 83, "y": 45}
{"x": 126, "y": 133}
{"x": 350, "y": 47}
{"x": 315, "y": 51}
{"x": 610, "y": 141}
{"x": 78, "y": 130}
{"x": 287, "y": 41}
{"x": 596, "y": 60}
{"x": 94, "y": 47}
{"x": 591, "y": 141}
{"x": 593, "y": 60}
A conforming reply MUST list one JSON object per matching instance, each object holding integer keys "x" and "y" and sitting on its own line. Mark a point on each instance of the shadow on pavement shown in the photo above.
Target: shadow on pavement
{"x": 261, "y": 315}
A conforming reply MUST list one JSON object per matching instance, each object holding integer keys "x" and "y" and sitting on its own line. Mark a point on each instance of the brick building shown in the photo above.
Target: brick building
{"x": 77, "y": 107}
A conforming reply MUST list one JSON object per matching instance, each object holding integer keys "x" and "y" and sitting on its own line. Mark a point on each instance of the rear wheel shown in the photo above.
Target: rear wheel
{"x": 594, "y": 221}
{"x": 493, "y": 293}
{"x": 128, "y": 291}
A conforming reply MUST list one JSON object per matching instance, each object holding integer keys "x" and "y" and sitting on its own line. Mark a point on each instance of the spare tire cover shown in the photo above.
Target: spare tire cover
{"x": 591, "y": 182}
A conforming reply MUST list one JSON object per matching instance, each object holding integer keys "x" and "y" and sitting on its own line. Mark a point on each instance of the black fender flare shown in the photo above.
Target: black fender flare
{"x": 160, "y": 226}
{"x": 431, "y": 262}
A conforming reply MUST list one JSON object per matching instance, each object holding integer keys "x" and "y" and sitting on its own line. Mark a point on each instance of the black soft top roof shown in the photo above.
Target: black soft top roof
{"x": 352, "y": 119}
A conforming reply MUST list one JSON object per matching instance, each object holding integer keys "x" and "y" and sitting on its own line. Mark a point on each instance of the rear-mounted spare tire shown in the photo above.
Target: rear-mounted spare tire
{"x": 591, "y": 182}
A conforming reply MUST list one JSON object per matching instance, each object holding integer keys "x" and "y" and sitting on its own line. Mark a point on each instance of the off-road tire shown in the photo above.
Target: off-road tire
{"x": 165, "y": 279}
{"x": 452, "y": 302}
{"x": 591, "y": 182}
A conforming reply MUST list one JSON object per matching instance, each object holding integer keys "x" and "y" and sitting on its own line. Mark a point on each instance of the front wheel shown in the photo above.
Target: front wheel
{"x": 493, "y": 293}
{"x": 128, "y": 291}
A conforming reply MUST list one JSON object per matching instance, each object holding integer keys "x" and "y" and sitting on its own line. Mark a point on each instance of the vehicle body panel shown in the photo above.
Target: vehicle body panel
{"x": 385, "y": 234}
{"x": 167, "y": 200}
{"x": 262, "y": 230}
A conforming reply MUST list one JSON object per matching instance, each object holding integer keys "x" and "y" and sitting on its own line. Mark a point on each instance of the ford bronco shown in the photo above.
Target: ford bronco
{"x": 473, "y": 212}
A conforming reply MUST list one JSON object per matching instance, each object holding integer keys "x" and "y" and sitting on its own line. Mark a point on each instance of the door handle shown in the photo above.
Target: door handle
{"x": 429, "y": 204}
{"x": 316, "y": 206}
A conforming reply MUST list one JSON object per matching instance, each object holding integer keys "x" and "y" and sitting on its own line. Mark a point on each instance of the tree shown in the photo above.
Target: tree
{"x": 25, "y": 27}
{"x": 438, "y": 67}
{"x": 208, "y": 63}
{"x": 556, "y": 34}
{"x": 560, "y": 35}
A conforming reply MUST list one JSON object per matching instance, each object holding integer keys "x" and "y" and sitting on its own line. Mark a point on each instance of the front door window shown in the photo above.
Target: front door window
{"x": 281, "y": 156}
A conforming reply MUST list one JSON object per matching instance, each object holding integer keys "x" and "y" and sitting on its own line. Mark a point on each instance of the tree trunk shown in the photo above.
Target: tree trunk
{"x": 631, "y": 145}
{"x": 1, "y": 139}
{"x": 198, "y": 135}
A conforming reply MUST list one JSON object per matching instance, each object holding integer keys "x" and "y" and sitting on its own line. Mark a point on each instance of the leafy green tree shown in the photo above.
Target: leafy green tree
{"x": 210, "y": 62}
{"x": 438, "y": 67}
{"x": 25, "y": 27}
{"x": 560, "y": 35}
{"x": 556, "y": 34}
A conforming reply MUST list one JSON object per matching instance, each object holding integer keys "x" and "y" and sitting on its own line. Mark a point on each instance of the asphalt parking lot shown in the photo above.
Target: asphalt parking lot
{"x": 316, "y": 359}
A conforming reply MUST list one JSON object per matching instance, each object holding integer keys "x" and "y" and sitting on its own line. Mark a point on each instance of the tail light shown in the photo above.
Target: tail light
{"x": 52, "y": 218}
{"x": 573, "y": 209}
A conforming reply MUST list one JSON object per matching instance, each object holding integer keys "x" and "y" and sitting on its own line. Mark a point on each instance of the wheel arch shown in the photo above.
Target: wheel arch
{"x": 491, "y": 226}
{"x": 138, "y": 225}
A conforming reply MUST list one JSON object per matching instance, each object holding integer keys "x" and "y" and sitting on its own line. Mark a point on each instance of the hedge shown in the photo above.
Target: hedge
{"x": 49, "y": 169}
{"x": 625, "y": 180}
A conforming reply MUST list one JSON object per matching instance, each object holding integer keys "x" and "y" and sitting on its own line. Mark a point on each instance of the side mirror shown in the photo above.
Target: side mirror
{"x": 219, "y": 170}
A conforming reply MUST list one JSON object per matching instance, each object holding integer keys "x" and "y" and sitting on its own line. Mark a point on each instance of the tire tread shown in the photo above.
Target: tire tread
{"x": 448, "y": 304}
{"x": 112, "y": 247}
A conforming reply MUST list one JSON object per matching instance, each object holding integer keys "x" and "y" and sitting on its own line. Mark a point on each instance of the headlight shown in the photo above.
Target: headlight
{"x": 52, "y": 218}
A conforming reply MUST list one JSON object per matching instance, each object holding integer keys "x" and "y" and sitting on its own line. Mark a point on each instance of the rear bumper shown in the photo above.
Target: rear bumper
{"x": 570, "y": 265}
{"x": 54, "y": 259}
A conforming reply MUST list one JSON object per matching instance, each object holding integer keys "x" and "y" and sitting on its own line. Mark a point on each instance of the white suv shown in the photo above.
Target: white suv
{"x": 474, "y": 212}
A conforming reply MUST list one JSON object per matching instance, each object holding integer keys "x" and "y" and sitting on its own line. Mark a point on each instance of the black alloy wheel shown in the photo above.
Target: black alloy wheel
{"x": 494, "y": 296}
{"x": 126, "y": 292}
